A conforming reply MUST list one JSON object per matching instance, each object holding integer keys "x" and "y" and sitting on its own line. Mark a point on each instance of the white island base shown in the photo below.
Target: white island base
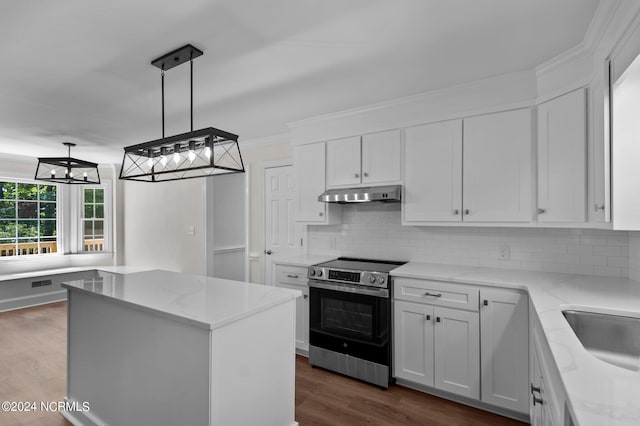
{"x": 160, "y": 348}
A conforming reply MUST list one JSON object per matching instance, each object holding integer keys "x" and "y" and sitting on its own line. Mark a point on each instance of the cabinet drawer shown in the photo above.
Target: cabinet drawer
{"x": 437, "y": 293}
{"x": 285, "y": 274}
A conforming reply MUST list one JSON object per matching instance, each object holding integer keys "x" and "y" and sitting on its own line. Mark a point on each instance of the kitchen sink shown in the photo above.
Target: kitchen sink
{"x": 613, "y": 339}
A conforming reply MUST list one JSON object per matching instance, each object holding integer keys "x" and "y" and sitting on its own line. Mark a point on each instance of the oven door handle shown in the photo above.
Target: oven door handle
{"x": 346, "y": 288}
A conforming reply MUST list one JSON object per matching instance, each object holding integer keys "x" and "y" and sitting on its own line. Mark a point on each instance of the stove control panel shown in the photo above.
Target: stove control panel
{"x": 371, "y": 279}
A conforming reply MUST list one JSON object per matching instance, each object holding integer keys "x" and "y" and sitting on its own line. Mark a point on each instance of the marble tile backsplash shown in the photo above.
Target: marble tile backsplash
{"x": 374, "y": 231}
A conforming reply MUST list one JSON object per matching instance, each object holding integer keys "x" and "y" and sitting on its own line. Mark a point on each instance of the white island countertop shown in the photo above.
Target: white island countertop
{"x": 206, "y": 302}
{"x": 599, "y": 394}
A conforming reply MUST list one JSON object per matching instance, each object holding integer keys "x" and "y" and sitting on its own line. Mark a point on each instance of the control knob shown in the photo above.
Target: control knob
{"x": 372, "y": 279}
{"x": 319, "y": 272}
{"x": 312, "y": 271}
{"x": 380, "y": 280}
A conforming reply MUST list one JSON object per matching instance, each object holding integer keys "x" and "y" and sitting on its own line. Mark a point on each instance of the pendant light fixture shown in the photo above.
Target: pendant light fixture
{"x": 67, "y": 169}
{"x": 198, "y": 153}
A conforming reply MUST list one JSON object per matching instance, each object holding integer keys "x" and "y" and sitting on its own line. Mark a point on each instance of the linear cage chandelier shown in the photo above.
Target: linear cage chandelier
{"x": 67, "y": 169}
{"x": 199, "y": 153}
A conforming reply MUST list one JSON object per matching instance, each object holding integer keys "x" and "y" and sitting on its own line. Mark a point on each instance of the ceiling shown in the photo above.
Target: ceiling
{"x": 79, "y": 70}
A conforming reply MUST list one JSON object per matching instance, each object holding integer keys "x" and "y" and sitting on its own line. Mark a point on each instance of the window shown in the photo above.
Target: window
{"x": 93, "y": 219}
{"x": 28, "y": 218}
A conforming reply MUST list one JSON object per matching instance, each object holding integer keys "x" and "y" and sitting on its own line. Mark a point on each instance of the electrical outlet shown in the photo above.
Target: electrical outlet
{"x": 504, "y": 252}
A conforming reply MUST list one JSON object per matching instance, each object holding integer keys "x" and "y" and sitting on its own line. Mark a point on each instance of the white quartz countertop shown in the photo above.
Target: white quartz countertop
{"x": 303, "y": 259}
{"x": 202, "y": 301}
{"x": 599, "y": 394}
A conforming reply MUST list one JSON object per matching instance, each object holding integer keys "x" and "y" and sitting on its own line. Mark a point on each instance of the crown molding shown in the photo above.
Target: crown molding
{"x": 597, "y": 27}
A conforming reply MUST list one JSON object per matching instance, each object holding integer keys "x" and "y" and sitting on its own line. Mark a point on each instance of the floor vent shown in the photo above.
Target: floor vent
{"x": 42, "y": 283}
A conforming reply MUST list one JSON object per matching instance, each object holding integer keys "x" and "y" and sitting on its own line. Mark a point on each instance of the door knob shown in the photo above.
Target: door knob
{"x": 540, "y": 211}
{"x": 268, "y": 252}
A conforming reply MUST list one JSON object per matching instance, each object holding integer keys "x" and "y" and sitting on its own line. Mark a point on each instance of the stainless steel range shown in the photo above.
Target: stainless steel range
{"x": 350, "y": 318}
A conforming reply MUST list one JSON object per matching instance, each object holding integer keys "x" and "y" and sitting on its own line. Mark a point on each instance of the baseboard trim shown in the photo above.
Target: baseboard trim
{"x": 32, "y": 300}
{"x": 466, "y": 401}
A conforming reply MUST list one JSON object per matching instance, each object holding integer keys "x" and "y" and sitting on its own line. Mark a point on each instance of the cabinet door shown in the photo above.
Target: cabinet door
{"x": 562, "y": 159}
{"x": 433, "y": 172}
{"x": 497, "y": 167}
{"x": 381, "y": 157}
{"x": 343, "y": 162}
{"x": 536, "y": 413}
{"x": 413, "y": 342}
{"x": 302, "y": 316}
{"x": 309, "y": 165}
{"x": 457, "y": 352}
{"x": 505, "y": 348}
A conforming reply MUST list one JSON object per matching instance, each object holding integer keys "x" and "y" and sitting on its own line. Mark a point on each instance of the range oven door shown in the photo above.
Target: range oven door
{"x": 349, "y": 322}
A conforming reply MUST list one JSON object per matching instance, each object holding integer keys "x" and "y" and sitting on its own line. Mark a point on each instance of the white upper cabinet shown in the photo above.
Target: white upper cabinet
{"x": 562, "y": 161}
{"x": 433, "y": 172}
{"x": 381, "y": 157}
{"x": 497, "y": 167}
{"x": 472, "y": 170}
{"x": 371, "y": 159}
{"x": 309, "y": 166}
{"x": 343, "y": 162}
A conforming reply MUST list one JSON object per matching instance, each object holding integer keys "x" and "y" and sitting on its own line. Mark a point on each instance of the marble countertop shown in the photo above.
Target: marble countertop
{"x": 202, "y": 301}
{"x": 303, "y": 259}
{"x": 598, "y": 393}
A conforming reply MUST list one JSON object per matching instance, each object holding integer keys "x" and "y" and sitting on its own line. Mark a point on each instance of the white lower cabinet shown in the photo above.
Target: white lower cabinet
{"x": 437, "y": 347}
{"x": 504, "y": 334}
{"x": 294, "y": 278}
{"x": 455, "y": 337}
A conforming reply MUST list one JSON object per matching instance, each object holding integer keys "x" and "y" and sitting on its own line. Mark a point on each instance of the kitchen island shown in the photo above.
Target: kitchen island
{"x": 165, "y": 348}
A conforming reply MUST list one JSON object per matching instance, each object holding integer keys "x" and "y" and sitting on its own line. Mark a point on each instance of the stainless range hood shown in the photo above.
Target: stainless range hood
{"x": 388, "y": 193}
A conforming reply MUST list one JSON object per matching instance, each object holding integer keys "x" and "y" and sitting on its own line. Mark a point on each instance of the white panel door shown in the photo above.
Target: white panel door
{"x": 497, "y": 167}
{"x": 309, "y": 166}
{"x": 433, "y": 172}
{"x": 413, "y": 342}
{"x": 457, "y": 352}
{"x": 562, "y": 158}
{"x": 381, "y": 160}
{"x": 343, "y": 162}
{"x": 505, "y": 348}
{"x": 281, "y": 238}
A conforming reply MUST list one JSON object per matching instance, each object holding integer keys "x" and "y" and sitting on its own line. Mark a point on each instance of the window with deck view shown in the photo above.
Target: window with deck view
{"x": 28, "y": 219}
{"x": 93, "y": 219}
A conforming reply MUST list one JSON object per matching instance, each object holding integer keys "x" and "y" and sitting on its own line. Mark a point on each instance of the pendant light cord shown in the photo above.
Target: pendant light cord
{"x": 191, "y": 64}
{"x": 162, "y": 84}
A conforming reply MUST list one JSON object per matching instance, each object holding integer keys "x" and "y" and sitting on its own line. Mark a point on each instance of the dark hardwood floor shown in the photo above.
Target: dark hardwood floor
{"x": 33, "y": 368}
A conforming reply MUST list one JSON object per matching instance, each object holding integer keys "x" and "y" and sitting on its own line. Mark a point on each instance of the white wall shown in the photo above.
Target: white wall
{"x": 157, "y": 217}
{"x": 374, "y": 231}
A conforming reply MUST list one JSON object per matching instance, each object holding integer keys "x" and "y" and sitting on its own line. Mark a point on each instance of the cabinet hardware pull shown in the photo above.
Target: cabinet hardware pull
{"x": 291, "y": 276}
{"x": 466, "y": 211}
{"x": 596, "y": 207}
{"x": 427, "y": 317}
{"x": 437, "y": 319}
{"x": 356, "y": 175}
{"x": 306, "y": 296}
{"x": 537, "y": 400}
{"x": 268, "y": 252}
{"x": 485, "y": 302}
{"x": 433, "y": 294}
{"x": 540, "y": 211}
{"x": 365, "y": 174}
{"x": 456, "y": 212}
{"x": 535, "y": 389}
{"x": 320, "y": 214}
